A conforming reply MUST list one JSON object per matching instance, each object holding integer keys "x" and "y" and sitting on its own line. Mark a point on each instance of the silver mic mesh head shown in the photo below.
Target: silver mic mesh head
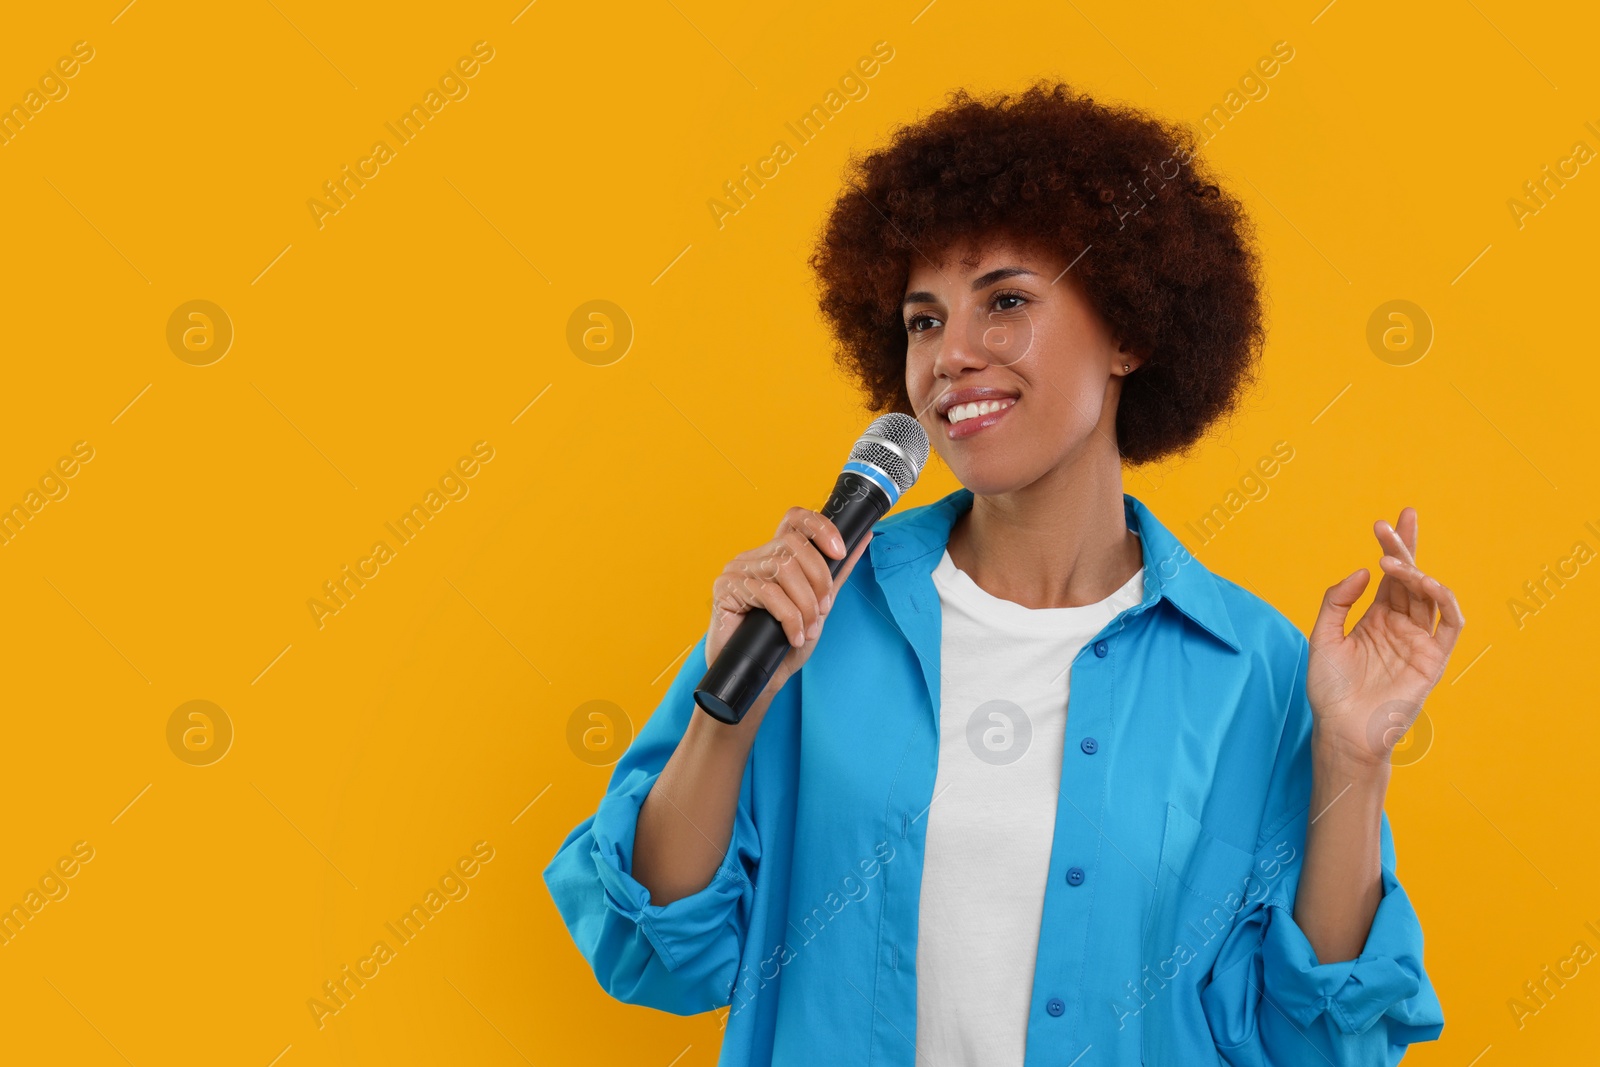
{"x": 897, "y": 445}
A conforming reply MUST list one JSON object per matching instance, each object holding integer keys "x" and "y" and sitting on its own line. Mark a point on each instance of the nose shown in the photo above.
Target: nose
{"x": 963, "y": 346}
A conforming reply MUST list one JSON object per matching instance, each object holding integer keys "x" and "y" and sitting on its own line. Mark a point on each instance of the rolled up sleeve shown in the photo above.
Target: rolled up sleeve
{"x": 1269, "y": 1002}
{"x": 679, "y": 957}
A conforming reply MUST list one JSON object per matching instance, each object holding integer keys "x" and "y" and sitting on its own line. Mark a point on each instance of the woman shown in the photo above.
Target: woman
{"x": 1047, "y": 785}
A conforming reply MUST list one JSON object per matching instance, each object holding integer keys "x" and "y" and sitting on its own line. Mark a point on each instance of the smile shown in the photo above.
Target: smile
{"x": 967, "y": 419}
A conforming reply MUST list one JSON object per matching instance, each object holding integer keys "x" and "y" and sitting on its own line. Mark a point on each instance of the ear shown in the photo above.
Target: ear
{"x": 1132, "y": 359}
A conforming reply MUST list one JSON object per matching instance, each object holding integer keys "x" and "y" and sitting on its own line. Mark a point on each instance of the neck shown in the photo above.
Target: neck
{"x": 1062, "y": 541}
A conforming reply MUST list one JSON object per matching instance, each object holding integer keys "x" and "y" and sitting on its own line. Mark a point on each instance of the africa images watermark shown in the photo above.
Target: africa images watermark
{"x": 1252, "y": 488}
{"x": 408, "y": 527}
{"x": 1542, "y": 190}
{"x": 52, "y": 887}
{"x": 452, "y": 85}
{"x": 338, "y": 992}
{"x": 1553, "y": 578}
{"x": 852, "y": 86}
{"x": 52, "y": 88}
{"x": 1253, "y": 87}
{"x": 52, "y": 487}
{"x": 854, "y": 890}
{"x": 1216, "y": 922}
{"x": 1555, "y": 978}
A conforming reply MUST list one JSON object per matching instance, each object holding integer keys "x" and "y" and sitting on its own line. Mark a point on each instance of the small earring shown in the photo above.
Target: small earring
{"x": 1124, "y": 368}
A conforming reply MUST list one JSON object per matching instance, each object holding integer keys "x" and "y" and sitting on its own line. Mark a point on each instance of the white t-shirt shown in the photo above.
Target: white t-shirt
{"x": 1002, "y": 723}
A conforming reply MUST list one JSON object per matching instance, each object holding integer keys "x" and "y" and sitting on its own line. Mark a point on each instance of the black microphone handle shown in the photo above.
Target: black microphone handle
{"x": 758, "y": 644}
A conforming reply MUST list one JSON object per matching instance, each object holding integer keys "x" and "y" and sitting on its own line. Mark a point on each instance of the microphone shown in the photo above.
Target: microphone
{"x": 883, "y": 464}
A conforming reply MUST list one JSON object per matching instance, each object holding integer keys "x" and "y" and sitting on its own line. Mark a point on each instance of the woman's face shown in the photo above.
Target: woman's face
{"x": 1005, "y": 322}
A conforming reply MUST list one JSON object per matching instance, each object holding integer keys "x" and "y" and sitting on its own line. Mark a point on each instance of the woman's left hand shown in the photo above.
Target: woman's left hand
{"x": 1367, "y": 687}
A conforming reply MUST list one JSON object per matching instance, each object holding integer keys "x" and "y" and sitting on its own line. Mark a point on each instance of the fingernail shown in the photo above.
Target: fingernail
{"x": 814, "y": 629}
{"x": 827, "y": 602}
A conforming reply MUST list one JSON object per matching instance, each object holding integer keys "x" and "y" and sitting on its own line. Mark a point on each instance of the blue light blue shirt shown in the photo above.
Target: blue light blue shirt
{"x": 1168, "y": 926}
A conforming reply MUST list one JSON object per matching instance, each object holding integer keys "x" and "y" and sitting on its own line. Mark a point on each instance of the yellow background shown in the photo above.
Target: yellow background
{"x": 369, "y": 354}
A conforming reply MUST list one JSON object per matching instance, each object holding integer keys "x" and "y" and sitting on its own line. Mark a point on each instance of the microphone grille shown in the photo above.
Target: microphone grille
{"x": 895, "y": 444}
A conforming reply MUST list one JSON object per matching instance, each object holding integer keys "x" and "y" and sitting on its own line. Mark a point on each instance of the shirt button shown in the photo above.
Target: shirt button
{"x": 1089, "y": 745}
{"x": 1074, "y": 875}
{"x": 1054, "y": 1006}
{"x": 1100, "y": 649}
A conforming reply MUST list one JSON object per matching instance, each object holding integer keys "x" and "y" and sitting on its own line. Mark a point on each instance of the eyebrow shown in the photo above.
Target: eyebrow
{"x": 922, "y": 296}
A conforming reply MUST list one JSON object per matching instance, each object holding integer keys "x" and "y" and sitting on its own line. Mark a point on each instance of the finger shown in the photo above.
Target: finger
{"x": 752, "y": 583}
{"x": 811, "y": 562}
{"x": 775, "y": 600}
{"x": 1390, "y": 592}
{"x": 844, "y": 572}
{"x": 739, "y": 585}
{"x": 1407, "y": 529}
{"x": 1418, "y": 590}
{"x": 814, "y": 527}
{"x": 1400, "y": 539}
{"x": 792, "y": 577}
{"x": 821, "y": 531}
{"x": 736, "y": 589}
{"x": 844, "y": 576}
{"x": 1336, "y": 605}
{"x": 1418, "y": 599}
{"x": 1451, "y": 619}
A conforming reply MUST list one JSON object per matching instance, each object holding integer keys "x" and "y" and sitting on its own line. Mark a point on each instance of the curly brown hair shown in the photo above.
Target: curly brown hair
{"x": 1171, "y": 263}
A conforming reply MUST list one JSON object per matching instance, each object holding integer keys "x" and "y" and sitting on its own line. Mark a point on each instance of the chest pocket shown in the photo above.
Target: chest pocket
{"x": 1201, "y": 886}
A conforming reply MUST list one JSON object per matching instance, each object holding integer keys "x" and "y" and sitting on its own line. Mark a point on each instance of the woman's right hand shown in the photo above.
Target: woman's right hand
{"x": 789, "y": 578}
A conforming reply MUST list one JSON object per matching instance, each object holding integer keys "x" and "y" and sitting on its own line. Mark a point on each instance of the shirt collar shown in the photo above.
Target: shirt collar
{"x": 1170, "y": 570}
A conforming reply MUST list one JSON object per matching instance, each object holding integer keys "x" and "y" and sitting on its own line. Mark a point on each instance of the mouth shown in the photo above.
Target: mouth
{"x": 964, "y": 420}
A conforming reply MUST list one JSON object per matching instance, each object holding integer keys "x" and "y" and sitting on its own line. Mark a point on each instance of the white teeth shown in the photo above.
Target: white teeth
{"x": 962, "y": 412}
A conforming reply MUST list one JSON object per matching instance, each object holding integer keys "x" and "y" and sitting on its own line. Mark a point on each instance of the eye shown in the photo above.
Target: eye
{"x": 914, "y": 322}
